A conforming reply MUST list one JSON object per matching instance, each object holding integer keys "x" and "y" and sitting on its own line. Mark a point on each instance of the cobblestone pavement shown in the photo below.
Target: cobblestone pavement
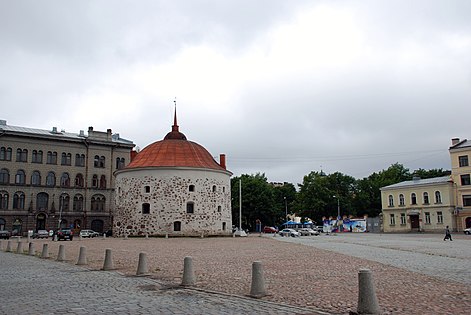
{"x": 308, "y": 273}
{"x": 427, "y": 253}
{"x": 33, "y": 286}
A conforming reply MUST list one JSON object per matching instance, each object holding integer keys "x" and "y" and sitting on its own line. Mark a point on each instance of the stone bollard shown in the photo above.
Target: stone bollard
{"x": 80, "y": 237}
{"x": 82, "y": 260}
{"x": 54, "y": 238}
{"x": 202, "y": 234}
{"x": 31, "y": 250}
{"x": 45, "y": 252}
{"x": 147, "y": 236}
{"x": 126, "y": 237}
{"x": 8, "y": 249}
{"x": 367, "y": 301}
{"x": 104, "y": 236}
{"x": 108, "y": 264}
{"x": 61, "y": 254}
{"x": 142, "y": 265}
{"x": 19, "y": 248}
{"x": 166, "y": 235}
{"x": 188, "y": 274}
{"x": 257, "y": 289}
{"x": 28, "y": 239}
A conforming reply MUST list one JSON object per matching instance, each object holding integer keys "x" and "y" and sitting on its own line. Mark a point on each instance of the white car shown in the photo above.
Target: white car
{"x": 88, "y": 233}
{"x": 308, "y": 232}
{"x": 467, "y": 231}
{"x": 289, "y": 232}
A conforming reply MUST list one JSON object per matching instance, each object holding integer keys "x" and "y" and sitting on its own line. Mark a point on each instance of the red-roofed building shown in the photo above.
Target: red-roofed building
{"x": 173, "y": 187}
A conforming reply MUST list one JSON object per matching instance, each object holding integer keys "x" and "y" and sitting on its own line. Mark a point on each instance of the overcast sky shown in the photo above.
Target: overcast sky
{"x": 281, "y": 87}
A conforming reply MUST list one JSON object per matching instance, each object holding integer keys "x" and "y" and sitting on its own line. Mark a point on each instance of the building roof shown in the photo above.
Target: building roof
{"x": 54, "y": 134}
{"x": 420, "y": 182}
{"x": 174, "y": 151}
{"x": 465, "y": 143}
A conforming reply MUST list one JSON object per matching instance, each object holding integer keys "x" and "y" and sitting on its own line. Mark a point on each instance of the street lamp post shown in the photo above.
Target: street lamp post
{"x": 61, "y": 206}
{"x": 338, "y": 212}
{"x": 286, "y": 209}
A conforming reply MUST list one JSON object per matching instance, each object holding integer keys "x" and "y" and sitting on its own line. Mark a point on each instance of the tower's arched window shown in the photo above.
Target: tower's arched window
{"x": 145, "y": 208}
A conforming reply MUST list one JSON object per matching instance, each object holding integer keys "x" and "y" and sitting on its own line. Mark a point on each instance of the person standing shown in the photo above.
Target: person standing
{"x": 447, "y": 234}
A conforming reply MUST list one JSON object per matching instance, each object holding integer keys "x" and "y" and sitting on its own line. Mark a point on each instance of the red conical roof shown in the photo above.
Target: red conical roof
{"x": 174, "y": 151}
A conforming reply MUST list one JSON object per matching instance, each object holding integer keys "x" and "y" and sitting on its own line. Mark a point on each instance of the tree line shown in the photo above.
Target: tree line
{"x": 318, "y": 196}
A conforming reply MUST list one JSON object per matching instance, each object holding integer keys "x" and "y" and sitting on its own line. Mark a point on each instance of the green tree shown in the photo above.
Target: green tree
{"x": 257, "y": 200}
{"x": 431, "y": 173}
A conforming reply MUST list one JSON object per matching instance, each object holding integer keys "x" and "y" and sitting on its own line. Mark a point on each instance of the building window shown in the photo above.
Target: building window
{"x": 438, "y": 197}
{"x": 392, "y": 219}
{"x": 79, "y": 159}
{"x": 19, "y": 201}
{"x": 214, "y": 188}
{"x": 413, "y": 198}
{"x": 439, "y": 217}
{"x": 66, "y": 159}
{"x": 147, "y": 189}
{"x": 219, "y": 208}
{"x": 78, "y": 203}
{"x": 65, "y": 180}
{"x": 42, "y": 202}
{"x": 120, "y": 162}
{"x": 4, "y": 176}
{"x": 79, "y": 181}
{"x": 190, "y": 207}
{"x": 403, "y": 219}
{"x": 391, "y": 201}
{"x": 466, "y": 200}
{"x": 3, "y": 200}
{"x": 463, "y": 161}
{"x": 22, "y": 155}
{"x": 95, "y": 181}
{"x": 5, "y": 154}
{"x": 177, "y": 226}
{"x": 426, "y": 198}
{"x": 427, "y": 217}
{"x": 20, "y": 178}
{"x": 145, "y": 208}
{"x": 98, "y": 203}
{"x": 102, "y": 182}
{"x": 224, "y": 190}
{"x": 51, "y": 179}
{"x": 465, "y": 180}
{"x": 37, "y": 156}
{"x": 36, "y": 178}
{"x": 64, "y": 202}
{"x": 401, "y": 199}
{"x": 51, "y": 158}
{"x": 99, "y": 161}
{"x": 191, "y": 188}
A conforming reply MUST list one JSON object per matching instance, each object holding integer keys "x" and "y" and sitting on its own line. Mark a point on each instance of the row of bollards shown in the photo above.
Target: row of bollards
{"x": 367, "y": 300}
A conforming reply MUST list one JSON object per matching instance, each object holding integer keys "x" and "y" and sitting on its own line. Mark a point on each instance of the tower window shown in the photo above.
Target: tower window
{"x": 191, "y": 188}
{"x": 190, "y": 207}
{"x": 147, "y": 189}
{"x": 145, "y": 208}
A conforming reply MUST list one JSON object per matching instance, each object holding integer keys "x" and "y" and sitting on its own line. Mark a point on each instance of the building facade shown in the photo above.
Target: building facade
{"x": 173, "y": 187}
{"x": 419, "y": 205}
{"x": 51, "y": 179}
{"x": 460, "y": 153}
{"x": 432, "y": 204}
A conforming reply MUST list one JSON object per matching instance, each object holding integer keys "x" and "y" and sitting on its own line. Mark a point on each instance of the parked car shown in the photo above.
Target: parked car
{"x": 89, "y": 233}
{"x": 41, "y": 234}
{"x": 289, "y": 232}
{"x": 308, "y": 232}
{"x": 5, "y": 234}
{"x": 65, "y": 234}
{"x": 467, "y": 231}
{"x": 270, "y": 229}
{"x": 109, "y": 233}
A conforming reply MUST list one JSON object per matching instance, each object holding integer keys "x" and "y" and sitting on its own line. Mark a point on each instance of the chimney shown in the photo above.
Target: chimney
{"x": 222, "y": 160}
{"x": 455, "y": 141}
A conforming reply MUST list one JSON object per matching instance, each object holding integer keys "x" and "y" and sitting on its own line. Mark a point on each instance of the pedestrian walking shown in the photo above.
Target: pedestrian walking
{"x": 447, "y": 234}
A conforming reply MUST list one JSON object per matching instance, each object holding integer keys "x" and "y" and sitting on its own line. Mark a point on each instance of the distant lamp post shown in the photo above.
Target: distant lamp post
{"x": 338, "y": 211}
{"x": 239, "y": 231}
{"x": 61, "y": 206}
{"x": 286, "y": 209}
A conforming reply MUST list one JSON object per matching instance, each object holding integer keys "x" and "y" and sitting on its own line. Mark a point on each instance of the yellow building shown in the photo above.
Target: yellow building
{"x": 432, "y": 204}
{"x": 419, "y": 205}
{"x": 460, "y": 151}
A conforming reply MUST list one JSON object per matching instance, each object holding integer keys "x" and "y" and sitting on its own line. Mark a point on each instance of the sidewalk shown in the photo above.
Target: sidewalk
{"x": 34, "y": 286}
